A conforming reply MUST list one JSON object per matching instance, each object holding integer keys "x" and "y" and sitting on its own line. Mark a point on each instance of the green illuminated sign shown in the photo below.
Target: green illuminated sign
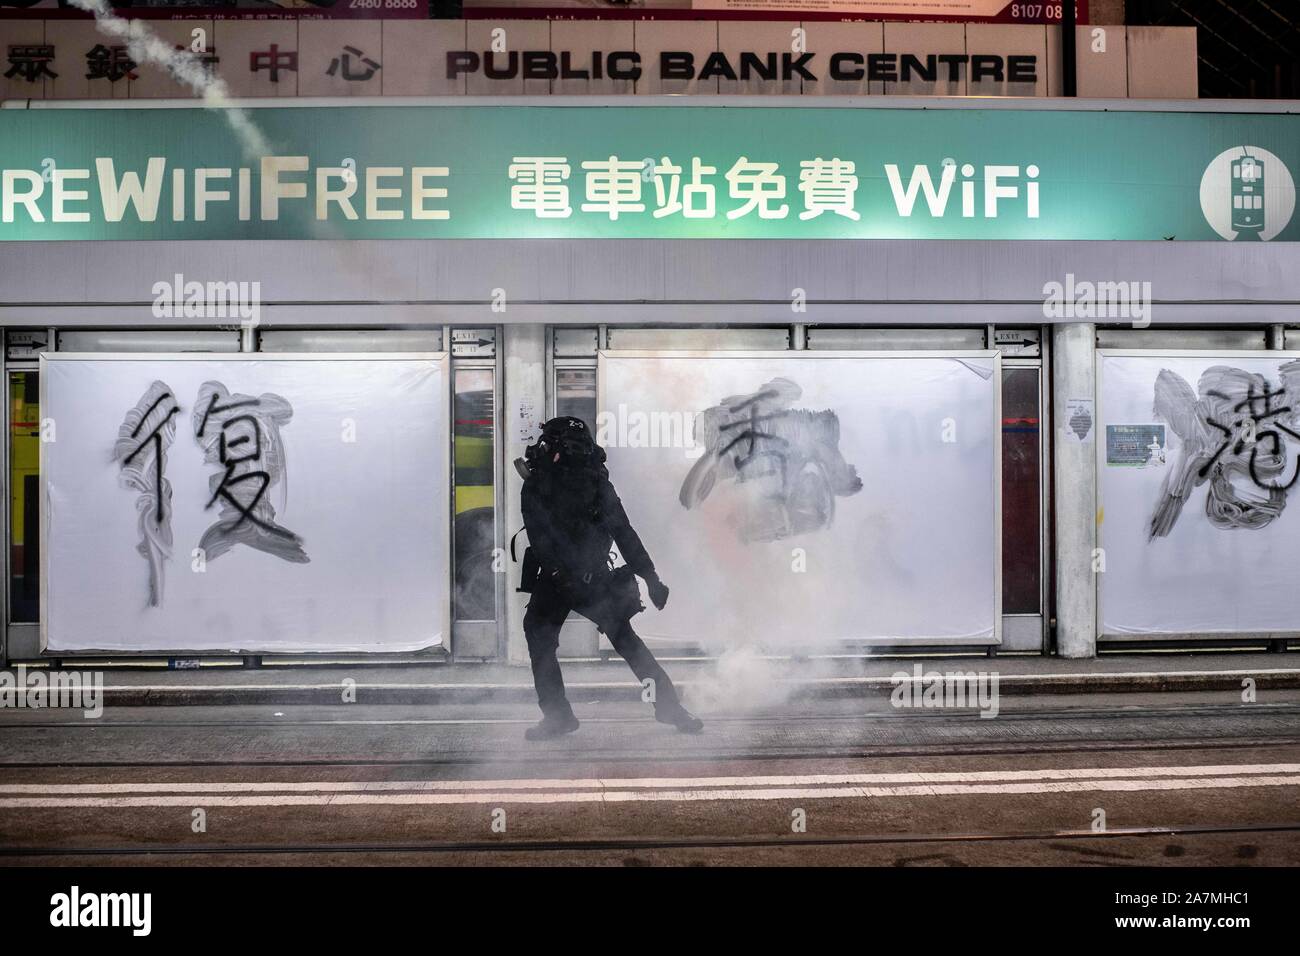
{"x": 682, "y": 172}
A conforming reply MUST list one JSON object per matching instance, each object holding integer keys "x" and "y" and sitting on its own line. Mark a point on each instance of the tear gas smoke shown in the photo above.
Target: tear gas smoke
{"x": 184, "y": 66}
{"x": 741, "y": 680}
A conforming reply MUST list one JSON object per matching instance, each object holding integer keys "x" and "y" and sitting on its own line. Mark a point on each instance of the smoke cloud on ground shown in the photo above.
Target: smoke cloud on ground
{"x": 741, "y": 680}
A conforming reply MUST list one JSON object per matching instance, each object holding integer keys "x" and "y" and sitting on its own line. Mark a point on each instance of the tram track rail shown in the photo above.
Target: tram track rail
{"x": 1005, "y": 716}
{"x": 1103, "y": 740}
{"x": 640, "y": 844}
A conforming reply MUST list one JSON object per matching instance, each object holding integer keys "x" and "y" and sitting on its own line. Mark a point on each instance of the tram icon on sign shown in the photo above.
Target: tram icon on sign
{"x": 1247, "y": 193}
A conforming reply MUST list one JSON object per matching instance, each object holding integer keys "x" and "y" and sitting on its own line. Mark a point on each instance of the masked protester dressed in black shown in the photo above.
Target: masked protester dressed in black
{"x": 572, "y": 515}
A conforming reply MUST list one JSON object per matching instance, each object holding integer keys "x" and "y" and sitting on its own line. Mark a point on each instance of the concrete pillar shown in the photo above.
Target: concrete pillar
{"x": 1074, "y": 389}
{"x": 525, "y": 410}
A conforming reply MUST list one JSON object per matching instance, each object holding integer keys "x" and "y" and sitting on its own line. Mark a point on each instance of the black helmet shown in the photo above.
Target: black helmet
{"x": 565, "y": 441}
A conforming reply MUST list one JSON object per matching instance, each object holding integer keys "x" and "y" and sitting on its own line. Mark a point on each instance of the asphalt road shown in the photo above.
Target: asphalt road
{"x": 1119, "y": 779}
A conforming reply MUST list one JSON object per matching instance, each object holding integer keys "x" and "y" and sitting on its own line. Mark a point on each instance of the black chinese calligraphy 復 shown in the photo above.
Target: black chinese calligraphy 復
{"x": 240, "y": 434}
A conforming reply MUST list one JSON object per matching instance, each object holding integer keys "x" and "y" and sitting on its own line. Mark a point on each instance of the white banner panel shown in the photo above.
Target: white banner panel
{"x": 801, "y": 499}
{"x": 1197, "y": 455}
{"x": 249, "y": 503}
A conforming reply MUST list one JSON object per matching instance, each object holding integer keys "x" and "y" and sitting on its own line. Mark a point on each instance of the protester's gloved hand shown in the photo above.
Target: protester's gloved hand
{"x": 658, "y": 591}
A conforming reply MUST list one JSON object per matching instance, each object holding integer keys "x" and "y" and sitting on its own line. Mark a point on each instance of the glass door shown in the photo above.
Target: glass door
{"x": 1022, "y": 507}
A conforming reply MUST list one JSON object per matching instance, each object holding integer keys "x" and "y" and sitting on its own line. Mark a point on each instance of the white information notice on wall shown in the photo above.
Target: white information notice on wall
{"x": 801, "y": 500}
{"x": 261, "y": 503}
{"x": 527, "y": 421}
{"x": 1080, "y": 419}
{"x": 1196, "y": 487}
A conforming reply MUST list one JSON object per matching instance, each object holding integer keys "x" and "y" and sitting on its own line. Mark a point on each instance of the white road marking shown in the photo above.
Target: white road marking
{"x": 649, "y": 789}
{"x": 641, "y": 783}
{"x": 647, "y": 796}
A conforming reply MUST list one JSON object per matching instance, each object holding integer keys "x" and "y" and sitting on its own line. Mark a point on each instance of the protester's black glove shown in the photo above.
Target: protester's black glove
{"x": 658, "y": 591}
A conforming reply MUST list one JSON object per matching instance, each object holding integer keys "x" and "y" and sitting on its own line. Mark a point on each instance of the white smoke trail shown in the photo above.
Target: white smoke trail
{"x": 186, "y": 67}
{"x": 145, "y": 46}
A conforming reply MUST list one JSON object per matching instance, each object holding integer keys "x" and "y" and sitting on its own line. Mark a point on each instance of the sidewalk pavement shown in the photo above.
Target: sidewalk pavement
{"x": 596, "y": 680}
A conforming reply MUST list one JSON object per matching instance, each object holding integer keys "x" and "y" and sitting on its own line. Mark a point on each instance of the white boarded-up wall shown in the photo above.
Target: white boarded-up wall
{"x": 1227, "y": 559}
{"x": 913, "y": 556}
{"x": 349, "y": 453}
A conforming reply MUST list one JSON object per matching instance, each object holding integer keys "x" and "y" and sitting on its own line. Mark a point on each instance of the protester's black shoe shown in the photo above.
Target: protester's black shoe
{"x": 552, "y": 726}
{"x": 679, "y": 717}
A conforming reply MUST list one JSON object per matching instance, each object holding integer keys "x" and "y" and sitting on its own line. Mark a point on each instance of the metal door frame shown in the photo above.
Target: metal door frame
{"x": 19, "y": 640}
{"x": 486, "y": 640}
{"x": 22, "y": 640}
{"x": 1045, "y": 538}
{"x": 798, "y": 342}
{"x": 579, "y": 639}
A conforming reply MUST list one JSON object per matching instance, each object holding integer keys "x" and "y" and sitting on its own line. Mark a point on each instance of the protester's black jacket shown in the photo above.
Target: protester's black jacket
{"x": 572, "y": 516}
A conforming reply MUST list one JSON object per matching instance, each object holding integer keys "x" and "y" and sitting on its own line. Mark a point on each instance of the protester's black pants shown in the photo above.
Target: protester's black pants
{"x": 547, "y": 610}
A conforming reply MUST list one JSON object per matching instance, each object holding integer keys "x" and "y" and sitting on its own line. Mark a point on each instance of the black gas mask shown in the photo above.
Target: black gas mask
{"x": 565, "y": 443}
